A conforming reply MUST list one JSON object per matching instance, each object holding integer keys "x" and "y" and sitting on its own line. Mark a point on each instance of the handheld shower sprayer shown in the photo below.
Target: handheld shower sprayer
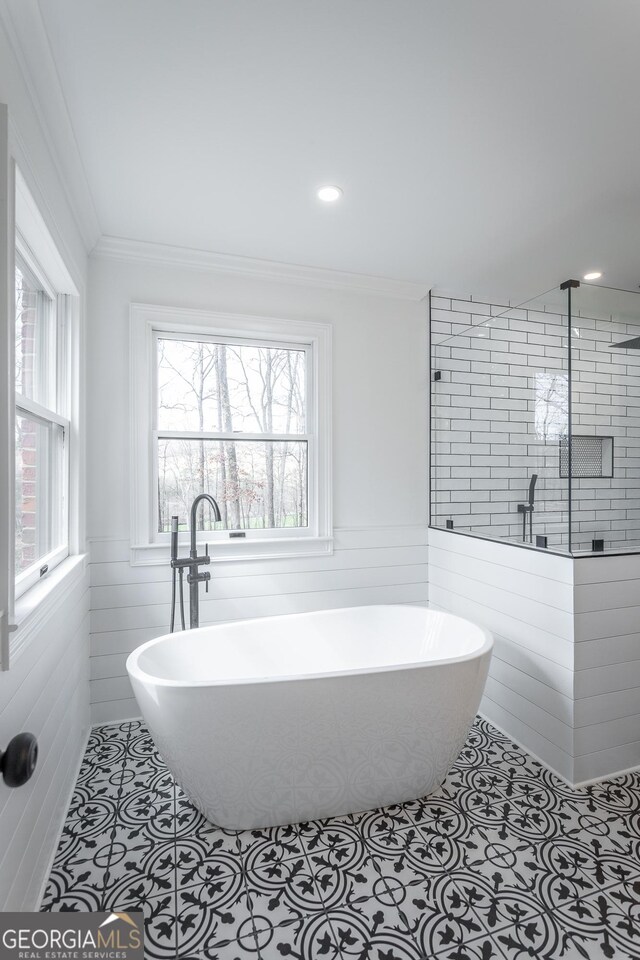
{"x": 528, "y": 508}
{"x": 174, "y": 538}
{"x": 174, "y": 573}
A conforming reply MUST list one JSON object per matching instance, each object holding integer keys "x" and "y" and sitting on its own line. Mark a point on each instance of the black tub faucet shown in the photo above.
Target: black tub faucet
{"x": 193, "y": 562}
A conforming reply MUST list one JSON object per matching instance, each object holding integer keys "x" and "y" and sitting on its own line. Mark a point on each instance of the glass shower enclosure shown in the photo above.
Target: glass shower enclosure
{"x": 535, "y": 419}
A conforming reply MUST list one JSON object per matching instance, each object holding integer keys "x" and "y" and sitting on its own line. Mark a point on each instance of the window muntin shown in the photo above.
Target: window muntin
{"x": 231, "y": 420}
{"x": 41, "y": 430}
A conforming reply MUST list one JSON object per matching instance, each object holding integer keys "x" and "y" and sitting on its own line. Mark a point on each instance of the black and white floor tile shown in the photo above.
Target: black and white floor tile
{"x": 503, "y": 862}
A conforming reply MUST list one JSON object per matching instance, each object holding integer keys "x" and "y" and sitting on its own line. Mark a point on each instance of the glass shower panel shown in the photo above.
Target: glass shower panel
{"x": 499, "y": 416}
{"x": 605, "y": 342}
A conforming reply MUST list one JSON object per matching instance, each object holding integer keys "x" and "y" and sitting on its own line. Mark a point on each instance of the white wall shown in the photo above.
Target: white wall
{"x": 46, "y": 689}
{"x": 379, "y": 462}
{"x": 45, "y": 693}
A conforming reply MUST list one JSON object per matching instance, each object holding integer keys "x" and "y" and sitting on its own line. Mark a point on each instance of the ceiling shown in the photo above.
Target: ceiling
{"x": 486, "y": 147}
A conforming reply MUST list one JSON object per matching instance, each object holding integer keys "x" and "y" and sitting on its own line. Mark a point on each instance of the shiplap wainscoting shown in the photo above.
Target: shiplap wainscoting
{"x": 44, "y": 693}
{"x": 525, "y": 598}
{"x": 565, "y": 675}
{"x": 132, "y": 604}
{"x": 607, "y": 665}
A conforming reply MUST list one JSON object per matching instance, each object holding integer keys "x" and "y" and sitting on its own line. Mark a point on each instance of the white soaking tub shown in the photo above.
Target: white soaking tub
{"x": 283, "y": 719}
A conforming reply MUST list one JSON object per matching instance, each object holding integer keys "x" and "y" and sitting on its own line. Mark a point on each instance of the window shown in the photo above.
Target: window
{"x": 41, "y": 428}
{"x": 231, "y": 421}
{"x": 40, "y": 465}
{"x": 551, "y": 405}
{"x": 239, "y": 408}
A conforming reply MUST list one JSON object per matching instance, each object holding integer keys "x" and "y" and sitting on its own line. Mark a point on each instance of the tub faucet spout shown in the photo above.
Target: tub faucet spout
{"x": 193, "y": 562}
{"x": 194, "y": 509}
{"x": 194, "y": 577}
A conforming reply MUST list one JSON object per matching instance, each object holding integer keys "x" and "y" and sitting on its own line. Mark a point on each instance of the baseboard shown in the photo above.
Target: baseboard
{"x": 528, "y": 751}
{"x": 63, "y": 819}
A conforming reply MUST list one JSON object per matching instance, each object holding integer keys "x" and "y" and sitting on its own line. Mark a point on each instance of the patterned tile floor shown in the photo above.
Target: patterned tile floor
{"x": 504, "y": 861}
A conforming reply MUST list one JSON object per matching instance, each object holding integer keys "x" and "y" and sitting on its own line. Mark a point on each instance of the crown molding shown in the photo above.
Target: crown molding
{"x": 139, "y": 251}
{"x": 25, "y": 30}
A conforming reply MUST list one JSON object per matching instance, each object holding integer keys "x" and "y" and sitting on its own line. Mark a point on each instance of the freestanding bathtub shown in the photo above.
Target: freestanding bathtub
{"x": 283, "y": 719}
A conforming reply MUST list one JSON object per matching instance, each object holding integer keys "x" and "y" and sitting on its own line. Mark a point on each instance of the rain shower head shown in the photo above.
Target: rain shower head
{"x": 633, "y": 344}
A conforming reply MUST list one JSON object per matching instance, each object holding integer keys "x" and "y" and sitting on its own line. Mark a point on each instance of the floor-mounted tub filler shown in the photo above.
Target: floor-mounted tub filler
{"x": 301, "y": 717}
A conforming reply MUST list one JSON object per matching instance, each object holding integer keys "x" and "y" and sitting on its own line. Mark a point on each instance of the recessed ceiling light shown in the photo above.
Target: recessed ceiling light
{"x": 329, "y": 194}
{"x": 594, "y": 275}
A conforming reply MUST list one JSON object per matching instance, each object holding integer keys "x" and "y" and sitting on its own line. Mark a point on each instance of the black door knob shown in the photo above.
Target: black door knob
{"x": 18, "y": 761}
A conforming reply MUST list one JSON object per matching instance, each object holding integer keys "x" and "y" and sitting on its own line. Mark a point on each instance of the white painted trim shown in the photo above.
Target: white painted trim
{"x": 527, "y": 750}
{"x": 139, "y": 251}
{"x": 145, "y": 319}
{"x": 40, "y": 603}
{"x": 605, "y": 776}
{"x": 112, "y": 723}
{"x": 35, "y": 411}
{"x": 33, "y": 232}
{"x": 21, "y": 154}
{"x": 34, "y": 239}
{"x": 377, "y": 536}
{"x": 7, "y": 385}
{"x": 5, "y": 629}
{"x": 155, "y": 554}
{"x": 54, "y": 849}
{"x": 369, "y": 528}
{"x": 26, "y": 580}
{"x": 27, "y": 36}
{"x": 362, "y": 528}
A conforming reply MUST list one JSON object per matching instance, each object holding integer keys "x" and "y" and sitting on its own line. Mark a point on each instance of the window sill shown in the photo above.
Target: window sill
{"x": 156, "y": 554}
{"x": 37, "y": 604}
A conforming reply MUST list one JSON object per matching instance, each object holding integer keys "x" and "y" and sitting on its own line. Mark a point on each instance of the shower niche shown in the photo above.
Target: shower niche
{"x": 591, "y": 457}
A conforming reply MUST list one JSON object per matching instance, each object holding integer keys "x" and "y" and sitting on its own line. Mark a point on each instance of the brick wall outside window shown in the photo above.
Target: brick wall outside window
{"x": 26, "y": 429}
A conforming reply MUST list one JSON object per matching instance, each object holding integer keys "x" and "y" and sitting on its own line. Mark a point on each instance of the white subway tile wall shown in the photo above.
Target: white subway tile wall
{"x": 499, "y": 409}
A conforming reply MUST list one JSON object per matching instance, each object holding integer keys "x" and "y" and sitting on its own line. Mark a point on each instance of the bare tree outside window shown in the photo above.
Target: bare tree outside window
{"x": 231, "y": 422}
{"x": 551, "y": 405}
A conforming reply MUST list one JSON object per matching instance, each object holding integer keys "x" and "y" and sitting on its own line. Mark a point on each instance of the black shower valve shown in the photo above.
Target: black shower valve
{"x": 18, "y": 761}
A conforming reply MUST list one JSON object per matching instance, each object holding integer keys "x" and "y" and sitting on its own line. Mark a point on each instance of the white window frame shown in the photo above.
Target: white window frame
{"x": 58, "y": 495}
{"x": 22, "y": 226}
{"x": 147, "y": 324}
